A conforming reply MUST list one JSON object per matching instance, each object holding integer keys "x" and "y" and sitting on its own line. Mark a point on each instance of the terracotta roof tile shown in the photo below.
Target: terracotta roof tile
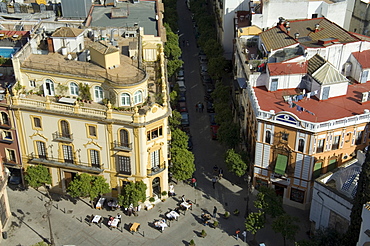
{"x": 67, "y": 32}
{"x": 103, "y": 48}
{"x": 330, "y": 109}
{"x": 278, "y": 37}
{"x": 286, "y": 68}
{"x": 363, "y": 58}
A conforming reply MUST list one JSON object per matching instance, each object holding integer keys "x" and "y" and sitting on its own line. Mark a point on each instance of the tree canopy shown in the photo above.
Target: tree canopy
{"x": 269, "y": 202}
{"x": 175, "y": 120}
{"x": 286, "y": 225}
{"x": 228, "y": 134}
{"x": 132, "y": 193}
{"x": 85, "y": 185}
{"x": 37, "y": 176}
{"x": 179, "y": 139}
{"x": 183, "y": 165}
{"x": 235, "y": 163}
{"x": 172, "y": 51}
{"x": 255, "y": 222}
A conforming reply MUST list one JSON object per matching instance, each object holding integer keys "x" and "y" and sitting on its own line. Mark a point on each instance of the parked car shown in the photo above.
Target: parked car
{"x": 203, "y": 69}
{"x": 180, "y": 75}
{"x": 15, "y": 180}
{"x": 182, "y": 96}
{"x": 203, "y": 59}
{"x": 206, "y": 79}
{"x": 182, "y": 86}
{"x": 181, "y": 107}
{"x": 209, "y": 88}
{"x": 212, "y": 119}
{"x": 210, "y": 108}
{"x": 214, "y": 130}
{"x": 184, "y": 119}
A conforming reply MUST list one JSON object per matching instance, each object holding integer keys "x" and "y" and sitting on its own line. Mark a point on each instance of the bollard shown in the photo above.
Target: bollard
{"x": 143, "y": 234}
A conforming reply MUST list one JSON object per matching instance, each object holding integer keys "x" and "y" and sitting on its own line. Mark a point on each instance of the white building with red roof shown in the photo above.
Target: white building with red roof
{"x": 304, "y": 102}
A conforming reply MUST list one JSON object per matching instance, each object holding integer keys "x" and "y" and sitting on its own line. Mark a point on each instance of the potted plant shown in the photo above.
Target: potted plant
{"x": 191, "y": 243}
{"x": 236, "y": 212}
{"x": 215, "y": 224}
{"x": 226, "y": 215}
{"x": 152, "y": 199}
{"x": 203, "y": 233}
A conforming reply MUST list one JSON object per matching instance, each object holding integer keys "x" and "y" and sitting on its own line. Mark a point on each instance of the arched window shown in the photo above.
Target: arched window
{"x": 98, "y": 91}
{"x": 74, "y": 88}
{"x": 65, "y": 129}
{"x": 123, "y": 135}
{"x": 138, "y": 97}
{"x": 5, "y": 119}
{"x": 268, "y": 137}
{"x": 125, "y": 99}
{"x": 300, "y": 145}
{"x": 48, "y": 87}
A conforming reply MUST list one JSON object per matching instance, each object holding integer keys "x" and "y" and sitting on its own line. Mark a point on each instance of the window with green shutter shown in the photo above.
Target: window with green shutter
{"x": 281, "y": 163}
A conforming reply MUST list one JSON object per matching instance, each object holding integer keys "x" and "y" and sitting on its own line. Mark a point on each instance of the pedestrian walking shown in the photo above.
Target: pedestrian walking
{"x": 187, "y": 42}
{"x": 237, "y": 233}
{"x": 214, "y": 180}
{"x": 202, "y": 107}
{"x": 196, "y": 107}
{"x": 214, "y": 211}
{"x": 199, "y": 107}
{"x": 194, "y": 182}
{"x": 220, "y": 173}
{"x": 244, "y": 233}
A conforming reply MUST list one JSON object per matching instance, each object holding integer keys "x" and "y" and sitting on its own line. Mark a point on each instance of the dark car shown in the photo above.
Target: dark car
{"x": 210, "y": 108}
{"x": 212, "y": 119}
{"x": 182, "y": 96}
{"x": 206, "y": 79}
{"x": 184, "y": 119}
{"x": 209, "y": 88}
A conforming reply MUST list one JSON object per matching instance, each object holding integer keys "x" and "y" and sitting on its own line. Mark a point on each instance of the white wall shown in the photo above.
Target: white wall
{"x": 324, "y": 201}
{"x": 286, "y": 81}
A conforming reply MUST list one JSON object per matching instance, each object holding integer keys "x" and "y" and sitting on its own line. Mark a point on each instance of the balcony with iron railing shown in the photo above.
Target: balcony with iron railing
{"x": 5, "y": 125}
{"x": 5, "y": 139}
{"x": 63, "y": 137}
{"x": 155, "y": 170}
{"x": 65, "y": 163}
{"x": 116, "y": 145}
{"x": 10, "y": 162}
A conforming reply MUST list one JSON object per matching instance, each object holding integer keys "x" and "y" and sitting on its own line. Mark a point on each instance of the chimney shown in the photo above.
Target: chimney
{"x": 280, "y": 22}
{"x": 288, "y": 30}
{"x": 317, "y": 27}
{"x": 287, "y": 24}
{"x": 296, "y": 36}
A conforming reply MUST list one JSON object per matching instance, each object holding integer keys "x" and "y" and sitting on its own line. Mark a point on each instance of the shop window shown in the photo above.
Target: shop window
{"x": 297, "y": 195}
{"x": 317, "y": 170}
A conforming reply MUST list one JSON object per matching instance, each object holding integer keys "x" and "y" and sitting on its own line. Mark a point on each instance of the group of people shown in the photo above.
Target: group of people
{"x": 218, "y": 173}
{"x": 199, "y": 107}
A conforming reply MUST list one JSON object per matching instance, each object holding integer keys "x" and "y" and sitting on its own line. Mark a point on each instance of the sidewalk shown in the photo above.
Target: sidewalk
{"x": 29, "y": 225}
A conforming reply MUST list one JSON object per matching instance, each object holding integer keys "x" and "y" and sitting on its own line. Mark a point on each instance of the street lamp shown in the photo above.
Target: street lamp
{"x": 48, "y": 205}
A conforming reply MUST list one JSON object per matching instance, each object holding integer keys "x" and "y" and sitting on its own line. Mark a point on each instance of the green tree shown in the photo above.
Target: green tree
{"x": 362, "y": 196}
{"x": 183, "y": 165}
{"x": 173, "y": 98}
{"x": 172, "y": 51}
{"x": 228, "y": 134}
{"x": 174, "y": 120}
{"x": 217, "y": 66}
{"x": 132, "y": 193}
{"x": 85, "y": 185}
{"x": 269, "y": 202}
{"x": 254, "y": 222}
{"x": 179, "y": 139}
{"x": 235, "y": 163}
{"x": 286, "y": 225}
{"x": 37, "y": 176}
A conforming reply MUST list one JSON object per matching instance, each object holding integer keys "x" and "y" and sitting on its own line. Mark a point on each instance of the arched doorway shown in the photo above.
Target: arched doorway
{"x": 156, "y": 187}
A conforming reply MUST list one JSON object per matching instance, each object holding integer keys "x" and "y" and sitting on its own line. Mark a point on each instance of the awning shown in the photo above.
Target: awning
{"x": 281, "y": 162}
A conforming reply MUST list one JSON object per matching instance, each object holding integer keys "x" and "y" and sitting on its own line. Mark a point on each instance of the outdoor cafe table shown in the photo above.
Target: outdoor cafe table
{"x": 96, "y": 219}
{"x": 134, "y": 227}
{"x": 186, "y": 205}
{"x": 172, "y": 215}
{"x": 161, "y": 224}
{"x": 114, "y": 223}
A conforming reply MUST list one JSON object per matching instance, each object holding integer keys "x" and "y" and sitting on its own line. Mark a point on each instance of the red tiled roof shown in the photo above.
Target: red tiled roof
{"x": 333, "y": 108}
{"x": 363, "y": 58}
{"x": 11, "y": 33}
{"x": 276, "y": 69}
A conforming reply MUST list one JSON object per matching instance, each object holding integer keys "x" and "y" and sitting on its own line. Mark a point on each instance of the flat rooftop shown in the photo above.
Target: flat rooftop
{"x": 142, "y": 13}
{"x": 325, "y": 110}
{"x": 126, "y": 74}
